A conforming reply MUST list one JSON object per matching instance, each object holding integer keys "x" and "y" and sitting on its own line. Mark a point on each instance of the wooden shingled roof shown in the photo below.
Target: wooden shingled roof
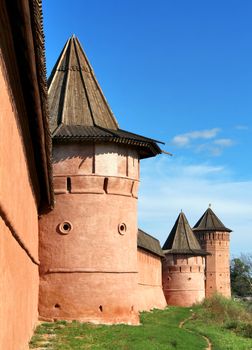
{"x": 77, "y": 106}
{"x": 182, "y": 240}
{"x": 210, "y": 222}
{"x": 149, "y": 243}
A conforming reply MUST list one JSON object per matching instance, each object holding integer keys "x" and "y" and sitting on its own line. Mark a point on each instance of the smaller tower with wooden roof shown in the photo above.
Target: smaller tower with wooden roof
{"x": 183, "y": 266}
{"x": 214, "y": 238}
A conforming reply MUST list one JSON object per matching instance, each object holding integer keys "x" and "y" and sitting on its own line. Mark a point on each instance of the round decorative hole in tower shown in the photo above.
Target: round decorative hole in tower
{"x": 65, "y": 227}
{"x": 122, "y": 228}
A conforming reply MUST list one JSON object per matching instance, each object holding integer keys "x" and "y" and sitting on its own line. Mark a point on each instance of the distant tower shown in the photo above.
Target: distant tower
{"x": 88, "y": 243}
{"x": 213, "y": 237}
{"x": 183, "y": 266}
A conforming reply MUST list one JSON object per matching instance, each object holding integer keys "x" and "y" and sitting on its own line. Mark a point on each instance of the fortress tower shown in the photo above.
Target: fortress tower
{"x": 88, "y": 243}
{"x": 183, "y": 266}
{"x": 213, "y": 237}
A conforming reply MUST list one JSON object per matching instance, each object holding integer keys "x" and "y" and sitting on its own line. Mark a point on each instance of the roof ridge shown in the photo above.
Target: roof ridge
{"x": 97, "y": 84}
{"x": 139, "y": 229}
{"x": 182, "y": 215}
{"x": 82, "y": 79}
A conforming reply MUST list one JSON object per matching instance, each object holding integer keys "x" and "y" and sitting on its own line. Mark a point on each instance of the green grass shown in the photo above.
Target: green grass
{"x": 226, "y": 323}
{"x": 159, "y": 331}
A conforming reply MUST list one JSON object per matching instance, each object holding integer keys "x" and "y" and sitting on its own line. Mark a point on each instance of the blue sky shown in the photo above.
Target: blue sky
{"x": 178, "y": 71}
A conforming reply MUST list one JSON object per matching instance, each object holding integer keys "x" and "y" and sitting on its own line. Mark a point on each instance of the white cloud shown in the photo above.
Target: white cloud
{"x": 167, "y": 186}
{"x": 241, "y": 127}
{"x": 183, "y": 140}
{"x": 224, "y": 142}
{"x": 215, "y": 147}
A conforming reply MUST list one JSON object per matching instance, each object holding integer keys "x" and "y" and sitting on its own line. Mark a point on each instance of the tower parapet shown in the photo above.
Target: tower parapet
{"x": 214, "y": 238}
{"x": 184, "y": 266}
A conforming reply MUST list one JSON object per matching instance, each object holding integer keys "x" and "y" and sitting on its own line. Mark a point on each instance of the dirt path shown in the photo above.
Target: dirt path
{"x": 181, "y": 325}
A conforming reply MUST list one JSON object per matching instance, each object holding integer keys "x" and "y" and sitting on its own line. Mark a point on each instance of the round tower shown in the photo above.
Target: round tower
{"x": 88, "y": 243}
{"x": 184, "y": 266}
{"x": 214, "y": 238}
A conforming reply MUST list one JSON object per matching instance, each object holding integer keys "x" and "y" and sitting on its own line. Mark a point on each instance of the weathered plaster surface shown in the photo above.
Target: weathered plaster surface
{"x": 90, "y": 273}
{"x": 150, "y": 291}
{"x": 19, "y": 234}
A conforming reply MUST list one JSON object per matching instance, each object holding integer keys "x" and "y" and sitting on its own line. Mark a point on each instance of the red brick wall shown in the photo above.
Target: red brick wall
{"x": 150, "y": 291}
{"x": 19, "y": 232}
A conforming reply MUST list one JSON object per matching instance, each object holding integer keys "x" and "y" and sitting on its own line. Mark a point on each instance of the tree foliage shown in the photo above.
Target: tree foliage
{"x": 241, "y": 275}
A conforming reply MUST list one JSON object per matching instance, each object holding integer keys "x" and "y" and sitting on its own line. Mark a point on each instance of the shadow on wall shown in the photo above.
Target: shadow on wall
{"x": 85, "y": 151}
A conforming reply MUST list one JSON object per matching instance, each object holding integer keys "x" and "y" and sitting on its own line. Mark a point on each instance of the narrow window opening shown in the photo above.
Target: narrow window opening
{"x": 57, "y": 306}
{"x": 69, "y": 184}
{"x": 100, "y": 308}
{"x": 93, "y": 162}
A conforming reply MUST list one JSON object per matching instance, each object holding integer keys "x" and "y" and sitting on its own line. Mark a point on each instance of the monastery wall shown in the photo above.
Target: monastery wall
{"x": 150, "y": 291}
{"x": 88, "y": 247}
{"x": 19, "y": 231}
{"x": 183, "y": 279}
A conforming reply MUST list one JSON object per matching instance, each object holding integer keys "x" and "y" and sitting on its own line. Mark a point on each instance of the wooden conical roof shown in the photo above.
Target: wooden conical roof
{"x": 210, "y": 222}
{"x": 182, "y": 240}
{"x": 78, "y": 109}
{"x": 75, "y": 97}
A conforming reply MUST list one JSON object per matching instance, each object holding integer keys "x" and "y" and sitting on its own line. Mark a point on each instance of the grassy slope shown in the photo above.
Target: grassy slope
{"x": 159, "y": 331}
{"x": 222, "y": 320}
{"x": 221, "y": 339}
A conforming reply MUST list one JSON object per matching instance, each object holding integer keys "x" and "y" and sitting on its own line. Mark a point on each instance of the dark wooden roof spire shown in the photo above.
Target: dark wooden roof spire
{"x": 78, "y": 109}
{"x": 210, "y": 222}
{"x": 75, "y": 97}
{"x": 182, "y": 240}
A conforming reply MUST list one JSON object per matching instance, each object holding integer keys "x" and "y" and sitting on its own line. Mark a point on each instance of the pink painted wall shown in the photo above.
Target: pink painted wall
{"x": 94, "y": 266}
{"x": 150, "y": 291}
{"x": 217, "y": 264}
{"x": 183, "y": 279}
{"x": 19, "y": 229}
